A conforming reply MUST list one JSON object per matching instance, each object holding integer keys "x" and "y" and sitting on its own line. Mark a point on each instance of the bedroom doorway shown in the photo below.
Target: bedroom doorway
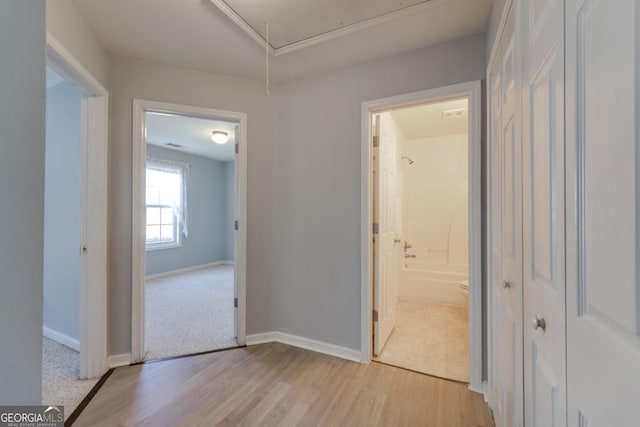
{"x": 75, "y": 237}
{"x": 189, "y": 262}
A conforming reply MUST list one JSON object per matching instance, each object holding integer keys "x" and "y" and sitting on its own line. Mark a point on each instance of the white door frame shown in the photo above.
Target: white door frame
{"x": 138, "y": 213}
{"x": 93, "y": 265}
{"x": 472, "y": 90}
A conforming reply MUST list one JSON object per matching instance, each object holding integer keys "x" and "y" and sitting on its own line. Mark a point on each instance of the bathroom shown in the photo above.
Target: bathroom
{"x": 431, "y": 192}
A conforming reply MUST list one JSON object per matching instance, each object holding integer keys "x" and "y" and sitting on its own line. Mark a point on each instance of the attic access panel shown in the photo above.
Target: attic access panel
{"x": 306, "y": 22}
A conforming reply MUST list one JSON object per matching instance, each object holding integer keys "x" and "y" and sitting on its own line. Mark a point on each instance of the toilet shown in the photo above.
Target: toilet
{"x": 464, "y": 289}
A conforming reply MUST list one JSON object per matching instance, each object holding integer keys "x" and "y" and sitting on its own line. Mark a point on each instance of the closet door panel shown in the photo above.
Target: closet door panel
{"x": 511, "y": 247}
{"x": 495, "y": 213}
{"x": 543, "y": 220}
{"x": 603, "y": 206}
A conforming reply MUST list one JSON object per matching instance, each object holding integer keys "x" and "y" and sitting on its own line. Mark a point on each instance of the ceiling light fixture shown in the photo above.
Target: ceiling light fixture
{"x": 219, "y": 137}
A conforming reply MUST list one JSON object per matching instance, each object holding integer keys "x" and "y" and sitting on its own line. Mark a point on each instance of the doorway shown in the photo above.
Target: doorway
{"x": 75, "y": 239}
{"x": 189, "y": 262}
{"x": 421, "y": 245}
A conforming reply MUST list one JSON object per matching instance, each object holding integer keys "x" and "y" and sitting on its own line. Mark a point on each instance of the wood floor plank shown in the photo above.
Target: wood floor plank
{"x": 275, "y": 384}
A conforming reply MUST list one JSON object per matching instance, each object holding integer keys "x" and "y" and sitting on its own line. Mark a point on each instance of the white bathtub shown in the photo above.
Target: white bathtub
{"x": 432, "y": 282}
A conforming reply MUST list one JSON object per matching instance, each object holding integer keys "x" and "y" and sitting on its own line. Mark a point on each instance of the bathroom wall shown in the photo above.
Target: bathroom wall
{"x": 435, "y": 203}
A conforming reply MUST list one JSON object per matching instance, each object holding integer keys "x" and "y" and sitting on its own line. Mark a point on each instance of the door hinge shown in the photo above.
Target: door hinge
{"x": 375, "y": 228}
{"x": 235, "y": 224}
{"x": 83, "y": 250}
{"x": 235, "y": 302}
{"x": 376, "y": 140}
{"x": 237, "y": 148}
{"x": 375, "y": 316}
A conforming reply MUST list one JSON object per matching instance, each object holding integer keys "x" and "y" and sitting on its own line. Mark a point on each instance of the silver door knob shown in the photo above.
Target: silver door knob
{"x": 538, "y": 323}
{"x": 507, "y": 284}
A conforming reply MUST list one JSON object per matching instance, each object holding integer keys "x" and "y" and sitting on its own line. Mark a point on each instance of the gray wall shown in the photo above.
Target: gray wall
{"x": 230, "y": 212}
{"x": 62, "y": 200}
{"x": 315, "y": 290}
{"x": 135, "y": 79}
{"x": 22, "y": 153}
{"x": 303, "y": 253}
{"x": 208, "y": 211}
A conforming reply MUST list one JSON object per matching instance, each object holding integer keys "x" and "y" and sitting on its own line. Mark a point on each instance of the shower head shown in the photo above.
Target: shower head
{"x": 407, "y": 159}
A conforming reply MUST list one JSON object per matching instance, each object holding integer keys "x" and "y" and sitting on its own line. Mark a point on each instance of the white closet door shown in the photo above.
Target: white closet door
{"x": 543, "y": 221}
{"x": 511, "y": 246}
{"x": 603, "y": 209}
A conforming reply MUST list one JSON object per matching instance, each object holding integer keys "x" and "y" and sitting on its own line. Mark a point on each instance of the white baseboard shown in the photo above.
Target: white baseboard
{"x": 61, "y": 338}
{"x": 117, "y": 360}
{"x": 262, "y": 338}
{"x": 306, "y": 343}
{"x": 484, "y": 391}
{"x": 187, "y": 269}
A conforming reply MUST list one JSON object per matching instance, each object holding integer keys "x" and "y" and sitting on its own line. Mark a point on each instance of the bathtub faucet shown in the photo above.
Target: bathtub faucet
{"x": 409, "y": 256}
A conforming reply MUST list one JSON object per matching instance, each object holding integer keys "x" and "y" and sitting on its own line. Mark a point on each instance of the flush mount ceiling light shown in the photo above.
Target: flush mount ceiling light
{"x": 219, "y": 137}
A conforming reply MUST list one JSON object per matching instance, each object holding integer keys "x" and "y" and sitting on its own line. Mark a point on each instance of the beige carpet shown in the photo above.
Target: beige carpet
{"x": 189, "y": 313}
{"x": 60, "y": 371}
{"x": 430, "y": 338}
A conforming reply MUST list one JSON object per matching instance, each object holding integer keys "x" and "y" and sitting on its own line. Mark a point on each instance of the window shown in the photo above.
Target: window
{"x": 165, "y": 203}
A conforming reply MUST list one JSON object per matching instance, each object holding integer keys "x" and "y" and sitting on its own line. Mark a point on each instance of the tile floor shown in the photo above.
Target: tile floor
{"x": 430, "y": 338}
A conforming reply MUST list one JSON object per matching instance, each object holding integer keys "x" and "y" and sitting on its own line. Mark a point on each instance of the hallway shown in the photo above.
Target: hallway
{"x": 275, "y": 384}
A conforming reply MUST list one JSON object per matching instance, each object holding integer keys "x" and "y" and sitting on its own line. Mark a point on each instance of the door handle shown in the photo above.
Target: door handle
{"x": 539, "y": 323}
{"x": 507, "y": 284}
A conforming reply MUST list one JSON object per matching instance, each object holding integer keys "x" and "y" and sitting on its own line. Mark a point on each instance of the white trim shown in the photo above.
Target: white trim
{"x": 472, "y": 90}
{"x": 497, "y": 42}
{"x": 187, "y": 269}
{"x": 95, "y": 119}
{"x": 262, "y": 338}
{"x": 61, "y": 338}
{"x": 306, "y": 343}
{"x": 244, "y": 25}
{"x": 138, "y": 249}
{"x": 485, "y": 390}
{"x": 117, "y": 360}
{"x": 329, "y": 35}
{"x": 152, "y": 247}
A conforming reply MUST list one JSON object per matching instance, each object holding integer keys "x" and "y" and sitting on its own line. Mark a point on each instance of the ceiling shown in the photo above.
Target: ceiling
{"x": 428, "y": 120}
{"x": 191, "y": 133}
{"x": 290, "y": 23}
{"x": 199, "y": 35}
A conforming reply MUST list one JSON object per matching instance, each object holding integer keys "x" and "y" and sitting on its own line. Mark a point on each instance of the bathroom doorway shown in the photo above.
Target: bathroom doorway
{"x": 424, "y": 248}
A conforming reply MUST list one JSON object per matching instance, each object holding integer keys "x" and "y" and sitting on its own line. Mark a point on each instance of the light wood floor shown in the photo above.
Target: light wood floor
{"x": 275, "y": 384}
